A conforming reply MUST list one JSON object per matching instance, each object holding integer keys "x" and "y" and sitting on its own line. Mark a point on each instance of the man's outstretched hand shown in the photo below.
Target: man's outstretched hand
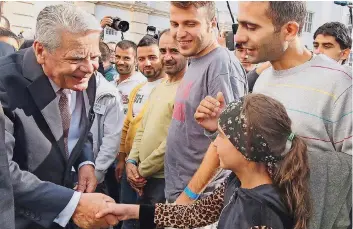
{"x": 120, "y": 211}
{"x": 89, "y": 205}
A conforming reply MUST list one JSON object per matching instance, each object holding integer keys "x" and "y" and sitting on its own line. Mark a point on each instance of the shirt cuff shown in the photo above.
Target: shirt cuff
{"x": 65, "y": 215}
{"x": 86, "y": 163}
{"x": 146, "y": 216}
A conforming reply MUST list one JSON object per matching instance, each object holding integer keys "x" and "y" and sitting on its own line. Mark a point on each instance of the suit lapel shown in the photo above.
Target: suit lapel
{"x": 44, "y": 96}
{"x": 45, "y": 99}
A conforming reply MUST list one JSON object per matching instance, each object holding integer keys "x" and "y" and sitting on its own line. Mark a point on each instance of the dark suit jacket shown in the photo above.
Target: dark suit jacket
{"x": 7, "y": 219}
{"x": 6, "y": 49}
{"x": 41, "y": 176}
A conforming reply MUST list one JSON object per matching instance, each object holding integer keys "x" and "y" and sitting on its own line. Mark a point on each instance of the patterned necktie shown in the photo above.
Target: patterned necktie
{"x": 65, "y": 118}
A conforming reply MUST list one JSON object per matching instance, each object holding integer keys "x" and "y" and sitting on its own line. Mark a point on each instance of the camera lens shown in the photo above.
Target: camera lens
{"x": 120, "y": 25}
{"x": 123, "y": 26}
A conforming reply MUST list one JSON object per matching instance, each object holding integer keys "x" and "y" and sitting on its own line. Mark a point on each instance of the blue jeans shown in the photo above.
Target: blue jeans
{"x": 127, "y": 196}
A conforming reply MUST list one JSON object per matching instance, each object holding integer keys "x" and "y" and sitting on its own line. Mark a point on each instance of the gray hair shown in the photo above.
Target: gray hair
{"x": 58, "y": 18}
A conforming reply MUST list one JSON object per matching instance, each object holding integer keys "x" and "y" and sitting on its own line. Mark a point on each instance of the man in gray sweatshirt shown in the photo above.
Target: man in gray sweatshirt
{"x": 212, "y": 69}
{"x": 317, "y": 93}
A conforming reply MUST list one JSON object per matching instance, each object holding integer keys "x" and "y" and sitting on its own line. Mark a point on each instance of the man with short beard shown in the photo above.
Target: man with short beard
{"x": 146, "y": 158}
{"x": 150, "y": 65}
{"x": 129, "y": 78}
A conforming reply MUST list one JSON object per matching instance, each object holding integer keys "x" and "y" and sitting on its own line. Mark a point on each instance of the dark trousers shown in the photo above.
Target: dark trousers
{"x": 153, "y": 193}
{"x": 112, "y": 187}
{"x": 111, "y": 184}
{"x": 127, "y": 196}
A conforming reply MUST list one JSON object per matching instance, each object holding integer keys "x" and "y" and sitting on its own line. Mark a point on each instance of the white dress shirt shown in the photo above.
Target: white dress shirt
{"x": 76, "y": 103}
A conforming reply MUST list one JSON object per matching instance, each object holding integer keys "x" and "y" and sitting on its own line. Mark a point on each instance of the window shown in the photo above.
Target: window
{"x": 308, "y": 24}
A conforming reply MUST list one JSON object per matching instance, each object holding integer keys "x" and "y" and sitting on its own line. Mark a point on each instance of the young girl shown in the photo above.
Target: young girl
{"x": 269, "y": 184}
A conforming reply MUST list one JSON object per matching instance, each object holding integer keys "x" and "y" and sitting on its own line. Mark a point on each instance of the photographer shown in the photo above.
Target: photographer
{"x": 106, "y": 21}
{"x": 115, "y": 23}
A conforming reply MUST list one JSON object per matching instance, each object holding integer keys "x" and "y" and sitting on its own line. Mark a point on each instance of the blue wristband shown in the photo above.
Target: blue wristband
{"x": 131, "y": 161}
{"x": 191, "y": 194}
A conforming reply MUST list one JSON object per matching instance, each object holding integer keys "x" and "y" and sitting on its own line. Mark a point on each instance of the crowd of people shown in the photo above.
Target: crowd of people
{"x": 176, "y": 132}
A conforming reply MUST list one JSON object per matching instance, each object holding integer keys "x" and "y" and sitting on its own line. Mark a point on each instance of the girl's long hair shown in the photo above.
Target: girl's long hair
{"x": 291, "y": 175}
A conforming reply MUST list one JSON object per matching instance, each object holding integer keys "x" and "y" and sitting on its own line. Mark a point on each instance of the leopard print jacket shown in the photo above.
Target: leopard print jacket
{"x": 203, "y": 212}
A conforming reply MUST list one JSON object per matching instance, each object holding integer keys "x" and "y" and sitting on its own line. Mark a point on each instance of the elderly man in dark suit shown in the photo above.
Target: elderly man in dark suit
{"x": 47, "y": 94}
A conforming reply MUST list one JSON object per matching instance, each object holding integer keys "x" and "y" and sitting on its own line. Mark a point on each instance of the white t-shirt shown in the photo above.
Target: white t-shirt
{"x": 125, "y": 87}
{"x": 142, "y": 96}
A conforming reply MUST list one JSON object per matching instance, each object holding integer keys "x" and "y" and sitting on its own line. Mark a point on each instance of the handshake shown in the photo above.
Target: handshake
{"x": 96, "y": 210}
{"x": 89, "y": 206}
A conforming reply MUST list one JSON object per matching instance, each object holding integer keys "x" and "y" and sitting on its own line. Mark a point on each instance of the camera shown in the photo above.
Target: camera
{"x": 152, "y": 31}
{"x": 120, "y": 25}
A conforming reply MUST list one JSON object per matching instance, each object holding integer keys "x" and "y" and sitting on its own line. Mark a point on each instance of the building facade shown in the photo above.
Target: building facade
{"x": 140, "y": 14}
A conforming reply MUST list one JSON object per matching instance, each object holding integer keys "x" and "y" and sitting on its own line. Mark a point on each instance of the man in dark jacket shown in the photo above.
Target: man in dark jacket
{"x": 47, "y": 94}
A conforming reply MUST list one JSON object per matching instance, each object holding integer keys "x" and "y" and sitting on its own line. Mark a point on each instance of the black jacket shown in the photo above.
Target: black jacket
{"x": 6, "y": 49}
{"x": 247, "y": 208}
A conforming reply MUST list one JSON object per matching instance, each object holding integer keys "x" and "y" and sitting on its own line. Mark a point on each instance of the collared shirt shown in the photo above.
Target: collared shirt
{"x": 76, "y": 103}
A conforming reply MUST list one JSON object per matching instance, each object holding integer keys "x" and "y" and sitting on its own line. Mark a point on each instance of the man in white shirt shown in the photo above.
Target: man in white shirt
{"x": 129, "y": 78}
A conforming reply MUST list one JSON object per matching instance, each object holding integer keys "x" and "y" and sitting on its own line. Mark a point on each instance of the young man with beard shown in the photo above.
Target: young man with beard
{"x": 146, "y": 159}
{"x": 317, "y": 94}
{"x": 129, "y": 78}
{"x": 150, "y": 64}
{"x": 212, "y": 69}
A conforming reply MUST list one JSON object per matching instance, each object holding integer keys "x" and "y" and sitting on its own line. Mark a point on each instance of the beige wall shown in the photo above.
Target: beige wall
{"x": 22, "y": 15}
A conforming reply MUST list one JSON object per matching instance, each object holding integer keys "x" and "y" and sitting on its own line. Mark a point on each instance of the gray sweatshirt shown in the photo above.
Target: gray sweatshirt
{"x": 107, "y": 125}
{"x": 318, "y": 99}
{"x": 218, "y": 71}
